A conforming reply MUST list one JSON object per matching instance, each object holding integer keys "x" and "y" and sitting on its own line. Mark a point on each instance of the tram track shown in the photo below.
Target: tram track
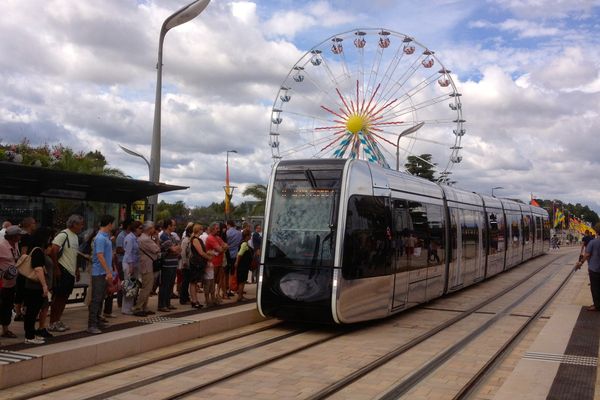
{"x": 191, "y": 391}
{"x": 321, "y": 339}
{"x": 379, "y": 362}
{"x": 139, "y": 364}
{"x": 416, "y": 377}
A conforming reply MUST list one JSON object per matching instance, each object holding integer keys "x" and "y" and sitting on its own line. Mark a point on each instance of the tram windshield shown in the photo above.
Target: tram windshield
{"x": 303, "y": 218}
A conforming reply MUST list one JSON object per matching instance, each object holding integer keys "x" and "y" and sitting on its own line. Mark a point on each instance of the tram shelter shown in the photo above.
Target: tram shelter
{"x": 50, "y": 195}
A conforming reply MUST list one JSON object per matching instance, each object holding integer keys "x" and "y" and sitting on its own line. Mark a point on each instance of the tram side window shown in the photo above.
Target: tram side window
{"x": 416, "y": 241}
{"x": 538, "y": 229}
{"x": 514, "y": 230}
{"x": 402, "y": 224}
{"x": 470, "y": 234}
{"x": 368, "y": 238}
{"x": 546, "y": 231}
{"x": 435, "y": 221}
{"x": 494, "y": 230}
{"x": 454, "y": 214}
{"x": 526, "y": 228}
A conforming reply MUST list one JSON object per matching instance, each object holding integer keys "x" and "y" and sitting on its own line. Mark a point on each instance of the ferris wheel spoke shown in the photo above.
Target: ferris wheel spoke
{"x": 419, "y": 106}
{"x": 402, "y": 79}
{"x": 306, "y": 145}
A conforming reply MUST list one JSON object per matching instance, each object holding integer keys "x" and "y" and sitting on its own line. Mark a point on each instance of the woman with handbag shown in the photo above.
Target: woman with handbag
{"x": 35, "y": 295}
{"x": 197, "y": 264}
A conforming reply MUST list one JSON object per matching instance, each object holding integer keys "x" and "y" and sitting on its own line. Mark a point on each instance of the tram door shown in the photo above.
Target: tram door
{"x": 402, "y": 224}
{"x": 455, "y": 273}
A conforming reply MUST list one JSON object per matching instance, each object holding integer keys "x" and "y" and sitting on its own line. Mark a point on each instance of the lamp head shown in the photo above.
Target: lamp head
{"x": 185, "y": 14}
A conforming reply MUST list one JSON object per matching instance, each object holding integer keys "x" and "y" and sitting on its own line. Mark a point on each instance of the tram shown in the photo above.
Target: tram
{"x": 348, "y": 241}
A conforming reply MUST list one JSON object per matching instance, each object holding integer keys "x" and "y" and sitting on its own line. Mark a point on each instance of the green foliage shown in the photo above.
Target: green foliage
{"x": 420, "y": 166}
{"x": 259, "y": 192}
{"x": 59, "y": 157}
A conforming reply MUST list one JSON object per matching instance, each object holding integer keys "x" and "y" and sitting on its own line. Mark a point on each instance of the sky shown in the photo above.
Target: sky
{"x": 83, "y": 74}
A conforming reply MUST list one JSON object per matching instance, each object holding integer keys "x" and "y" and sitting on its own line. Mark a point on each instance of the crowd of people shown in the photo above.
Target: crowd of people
{"x": 130, "y": 263}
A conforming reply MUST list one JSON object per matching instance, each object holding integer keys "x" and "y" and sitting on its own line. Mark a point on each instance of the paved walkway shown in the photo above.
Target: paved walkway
{"x": 75, "y": 316}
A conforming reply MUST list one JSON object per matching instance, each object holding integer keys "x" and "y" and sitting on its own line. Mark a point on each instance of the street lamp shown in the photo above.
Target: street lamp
{"x": 495, "y": 188}
{"x": 133, "y": 153}
{"x": 228, "y": 189}
{"x": 405, "y": 132}
{"x": 182, "y": 16}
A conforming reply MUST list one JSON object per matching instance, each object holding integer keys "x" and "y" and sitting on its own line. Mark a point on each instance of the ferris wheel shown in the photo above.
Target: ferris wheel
{"x": 370, "y": 94}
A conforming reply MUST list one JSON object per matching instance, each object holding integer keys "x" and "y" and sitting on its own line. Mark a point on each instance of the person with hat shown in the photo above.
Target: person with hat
{"x": 9, "y": 254}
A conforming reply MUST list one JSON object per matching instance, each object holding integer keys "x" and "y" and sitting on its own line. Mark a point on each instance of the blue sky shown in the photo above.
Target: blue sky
{"x": 83, "y": 74}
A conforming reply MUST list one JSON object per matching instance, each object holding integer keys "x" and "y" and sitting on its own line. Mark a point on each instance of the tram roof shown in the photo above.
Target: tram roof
{"x": 25, "y": 180}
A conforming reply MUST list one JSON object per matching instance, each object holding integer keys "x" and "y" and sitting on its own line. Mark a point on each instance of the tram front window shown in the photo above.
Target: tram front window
{"x": 302, "y": 221}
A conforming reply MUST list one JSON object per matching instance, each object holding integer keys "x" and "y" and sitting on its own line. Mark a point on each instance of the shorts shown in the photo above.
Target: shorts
{"x": 63, "y": 285}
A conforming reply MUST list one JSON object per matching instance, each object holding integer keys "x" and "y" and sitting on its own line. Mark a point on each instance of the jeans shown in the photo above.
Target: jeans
{"x": 167, "y": 279}
{"x": 98, "y": 296}
{"x": 595, "y": 287}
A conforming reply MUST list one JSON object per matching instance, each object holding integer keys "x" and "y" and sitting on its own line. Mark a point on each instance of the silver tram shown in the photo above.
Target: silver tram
{"x": 348, "y": 241}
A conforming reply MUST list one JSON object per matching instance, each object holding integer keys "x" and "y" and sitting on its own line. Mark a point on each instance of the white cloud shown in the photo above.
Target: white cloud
{"x": 84, "y": 74}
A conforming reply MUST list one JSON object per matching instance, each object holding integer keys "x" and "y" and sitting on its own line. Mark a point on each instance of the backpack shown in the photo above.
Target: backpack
{"x": 62, "y": 248}
{"x": 24, "y": 266}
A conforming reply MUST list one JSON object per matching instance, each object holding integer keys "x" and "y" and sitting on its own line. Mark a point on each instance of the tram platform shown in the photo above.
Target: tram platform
{"x": 126, "y": 336}
{"x": 561, "y": 362}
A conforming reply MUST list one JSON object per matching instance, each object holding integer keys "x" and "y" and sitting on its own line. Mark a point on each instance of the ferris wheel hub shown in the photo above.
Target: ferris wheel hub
{"x": 357, "y": 123}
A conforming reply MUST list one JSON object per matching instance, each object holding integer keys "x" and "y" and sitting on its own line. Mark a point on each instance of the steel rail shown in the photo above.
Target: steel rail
{"x": 347, "y": 380}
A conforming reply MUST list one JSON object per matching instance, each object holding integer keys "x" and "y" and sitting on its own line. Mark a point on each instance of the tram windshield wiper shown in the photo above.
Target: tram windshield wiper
{"x": 311, "y": 178}
{"x": 313, "y": 263}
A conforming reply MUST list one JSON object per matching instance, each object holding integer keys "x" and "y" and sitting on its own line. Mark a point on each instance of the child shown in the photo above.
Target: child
{"x": 209, "y": 283}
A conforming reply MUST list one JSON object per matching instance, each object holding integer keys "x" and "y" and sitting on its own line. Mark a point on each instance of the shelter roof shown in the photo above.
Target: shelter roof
{"x": 25, "y": 180}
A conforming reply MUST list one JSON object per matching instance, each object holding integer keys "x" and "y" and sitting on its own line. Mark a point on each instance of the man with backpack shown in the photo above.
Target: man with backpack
{"x": 64, "y": 257}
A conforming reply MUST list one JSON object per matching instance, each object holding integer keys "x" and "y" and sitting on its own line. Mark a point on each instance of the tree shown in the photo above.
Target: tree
{"x": 259, "y": 192}
{"x": 420, "y": 166}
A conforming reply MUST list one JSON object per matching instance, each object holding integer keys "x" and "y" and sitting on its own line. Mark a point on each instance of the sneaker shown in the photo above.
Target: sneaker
{"x": 93, "y": 330}
{"x": 148, "y": 312}
{"x": 111, "y": 315}
{"x": 56, "y": 327}
{"x": 65, "y": 327}
{"x": 44, "y": 333}
{"x": 35, "y": 340}
{"x": 172, "y": 308}
{"x": 127, "y": 312}
{"x": 163, "y": 309}
{"x": 102, "y": 319}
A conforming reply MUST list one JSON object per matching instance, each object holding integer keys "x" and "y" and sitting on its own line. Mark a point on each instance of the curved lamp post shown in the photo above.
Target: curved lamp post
{"x": 405, "y": 132}
{"x": 496, "y": 188}
{"x": 133, "y": 153}
{"x": 182, "y": 16}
